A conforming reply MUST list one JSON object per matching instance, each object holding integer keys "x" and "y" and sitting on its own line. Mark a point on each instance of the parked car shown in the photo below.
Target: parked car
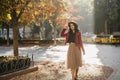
{"x": 115, "y": 39}
{"x": 103, "y": 39}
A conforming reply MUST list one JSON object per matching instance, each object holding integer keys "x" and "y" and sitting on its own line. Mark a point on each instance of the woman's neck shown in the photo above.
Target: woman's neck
{"x": 73, "y": 31}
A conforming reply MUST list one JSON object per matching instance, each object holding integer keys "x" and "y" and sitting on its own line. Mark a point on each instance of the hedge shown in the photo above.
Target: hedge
{"x": 9, "y": 64}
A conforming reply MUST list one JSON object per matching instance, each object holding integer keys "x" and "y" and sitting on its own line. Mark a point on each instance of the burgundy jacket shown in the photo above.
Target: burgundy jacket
{"x": 78, "y": 40}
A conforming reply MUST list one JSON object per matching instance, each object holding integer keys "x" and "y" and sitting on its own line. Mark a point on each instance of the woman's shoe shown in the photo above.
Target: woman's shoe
{"x": 75, "y": 78}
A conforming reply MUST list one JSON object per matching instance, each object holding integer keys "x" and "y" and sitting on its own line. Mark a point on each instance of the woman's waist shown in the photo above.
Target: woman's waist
{"x": 71, "y": 42}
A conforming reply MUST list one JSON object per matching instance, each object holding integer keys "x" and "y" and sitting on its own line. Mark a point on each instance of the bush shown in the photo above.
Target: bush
{"x": 10, "y": 64}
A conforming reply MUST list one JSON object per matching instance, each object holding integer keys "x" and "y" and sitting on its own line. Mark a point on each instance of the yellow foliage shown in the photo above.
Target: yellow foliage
{"x": 8, "y": 17}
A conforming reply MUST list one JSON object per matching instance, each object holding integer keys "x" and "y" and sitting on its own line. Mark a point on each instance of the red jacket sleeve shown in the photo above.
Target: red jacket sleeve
{"x": 81, "y": 44}
{"x": 63, "y": 34}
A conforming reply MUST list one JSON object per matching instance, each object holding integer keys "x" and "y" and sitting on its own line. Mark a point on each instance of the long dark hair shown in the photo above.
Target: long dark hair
{"x": 75, "y": 25}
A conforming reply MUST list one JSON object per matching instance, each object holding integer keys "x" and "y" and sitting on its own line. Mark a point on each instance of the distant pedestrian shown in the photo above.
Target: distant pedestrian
{"x": 74, "y": 55}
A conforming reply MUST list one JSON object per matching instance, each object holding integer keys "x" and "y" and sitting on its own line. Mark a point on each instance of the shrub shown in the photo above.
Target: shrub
{"x": 10, "y": 64}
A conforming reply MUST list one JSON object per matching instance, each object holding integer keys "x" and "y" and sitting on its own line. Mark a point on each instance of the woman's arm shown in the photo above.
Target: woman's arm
{"x": 81, "y": 44}
{"x": 63, "y": 34}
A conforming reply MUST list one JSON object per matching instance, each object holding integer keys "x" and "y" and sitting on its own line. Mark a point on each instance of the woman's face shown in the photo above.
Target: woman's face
{"x": 72, "y": 27}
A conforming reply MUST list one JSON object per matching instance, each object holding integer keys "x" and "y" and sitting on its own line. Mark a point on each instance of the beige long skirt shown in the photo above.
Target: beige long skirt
{"x": 74, "y": 57}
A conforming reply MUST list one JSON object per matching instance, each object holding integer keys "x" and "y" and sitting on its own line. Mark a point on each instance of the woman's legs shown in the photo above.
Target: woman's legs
{"x": 76, "y": 73}
{"x": 73, "y": 73}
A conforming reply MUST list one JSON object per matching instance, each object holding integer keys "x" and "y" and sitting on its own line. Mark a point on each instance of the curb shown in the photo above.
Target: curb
{"x": 17, "y": 73}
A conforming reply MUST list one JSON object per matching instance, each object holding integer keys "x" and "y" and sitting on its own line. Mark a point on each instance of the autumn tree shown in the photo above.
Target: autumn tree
{"x": 41, "y": 10}
{"x": 60, "y": 9}
{"x": 27, "y": 10}
{"x": 48, "y": 10}
{"x": 15, "y": 8}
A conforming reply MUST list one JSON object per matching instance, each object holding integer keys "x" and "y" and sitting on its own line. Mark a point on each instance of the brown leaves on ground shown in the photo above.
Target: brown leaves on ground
{"x": 57, "y": 71}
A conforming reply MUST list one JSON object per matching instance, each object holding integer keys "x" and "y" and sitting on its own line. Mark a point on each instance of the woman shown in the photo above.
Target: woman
{"x": 74, "y": 56}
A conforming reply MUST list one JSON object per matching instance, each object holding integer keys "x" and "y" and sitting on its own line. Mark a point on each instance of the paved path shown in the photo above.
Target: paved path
{"x": 95, "y": 54}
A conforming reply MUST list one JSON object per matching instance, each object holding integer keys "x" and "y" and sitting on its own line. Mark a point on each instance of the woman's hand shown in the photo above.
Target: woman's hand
{"x": 83, "y": 51}
{"x": 66, "y": 26}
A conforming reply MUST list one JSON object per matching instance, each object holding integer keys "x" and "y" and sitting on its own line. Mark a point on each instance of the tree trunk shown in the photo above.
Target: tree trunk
{"x": 106, "y": 26}
{"x": 14, "y": 22}
{"x": 23, "y": 32}
{"x": 42, "y": 32}
{"x": 15, "y": 40}
{"x": 8, "y": 39}
{"x": 55, "y": 30}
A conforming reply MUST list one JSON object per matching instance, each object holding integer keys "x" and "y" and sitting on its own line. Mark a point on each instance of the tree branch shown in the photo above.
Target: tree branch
{"x": 22, "y": 9}
{"x": 4, "y": 5}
